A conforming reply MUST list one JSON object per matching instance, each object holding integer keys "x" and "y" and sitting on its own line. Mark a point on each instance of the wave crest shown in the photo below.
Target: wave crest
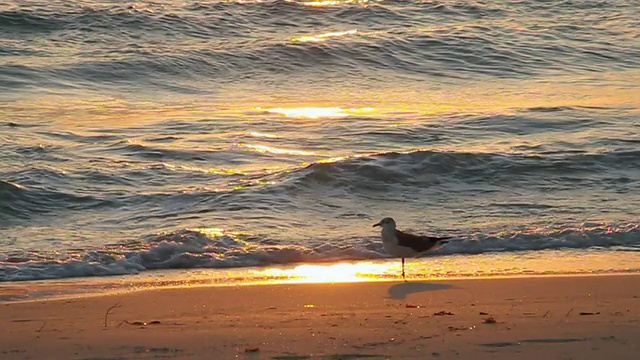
{"x": 196, "y": 248}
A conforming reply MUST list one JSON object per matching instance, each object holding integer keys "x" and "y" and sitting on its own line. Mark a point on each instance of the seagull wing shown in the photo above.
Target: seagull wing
{"x": 419, "y": 243}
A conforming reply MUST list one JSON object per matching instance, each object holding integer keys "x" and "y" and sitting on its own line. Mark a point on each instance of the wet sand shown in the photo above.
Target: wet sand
{"x": 556, "y": 317}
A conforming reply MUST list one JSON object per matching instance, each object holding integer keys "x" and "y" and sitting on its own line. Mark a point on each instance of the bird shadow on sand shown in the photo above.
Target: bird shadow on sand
{"x": 400, "y": 291}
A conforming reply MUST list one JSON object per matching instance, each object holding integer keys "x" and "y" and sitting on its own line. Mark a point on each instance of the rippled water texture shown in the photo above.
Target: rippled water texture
{"x": 173, "y": 134}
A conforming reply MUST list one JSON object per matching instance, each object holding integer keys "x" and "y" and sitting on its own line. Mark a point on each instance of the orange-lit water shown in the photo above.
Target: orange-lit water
{"x": 234, "y": 134}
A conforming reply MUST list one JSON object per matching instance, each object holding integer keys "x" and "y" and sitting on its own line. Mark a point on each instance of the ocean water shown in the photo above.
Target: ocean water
{"x": 138, "y": 136}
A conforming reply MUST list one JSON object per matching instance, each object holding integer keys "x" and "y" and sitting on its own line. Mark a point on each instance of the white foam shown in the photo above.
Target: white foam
{"x": 192, "y": 249}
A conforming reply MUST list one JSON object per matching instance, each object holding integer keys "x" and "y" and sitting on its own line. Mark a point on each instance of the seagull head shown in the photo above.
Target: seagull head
{"x": 386, "y": 223}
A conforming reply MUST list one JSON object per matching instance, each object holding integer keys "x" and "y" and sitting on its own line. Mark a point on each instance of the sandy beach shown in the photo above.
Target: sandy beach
{"x": 559, "y": 317}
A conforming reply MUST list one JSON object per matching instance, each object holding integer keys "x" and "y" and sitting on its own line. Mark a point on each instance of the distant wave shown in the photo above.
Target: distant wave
{"x": 441, "y": 55}
{"x": 424, "y": 167}
{"x": 130, "y": 55}
{"x": 23, "y": 203}
{"x": 197, "y": 249}
{"x": 416, "y": 170}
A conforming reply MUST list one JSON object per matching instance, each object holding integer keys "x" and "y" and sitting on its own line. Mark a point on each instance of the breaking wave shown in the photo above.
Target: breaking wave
{"x": 203, "y": 248}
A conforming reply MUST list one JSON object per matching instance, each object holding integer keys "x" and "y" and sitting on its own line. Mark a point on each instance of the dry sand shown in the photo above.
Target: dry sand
{"x": 585, "y": 317}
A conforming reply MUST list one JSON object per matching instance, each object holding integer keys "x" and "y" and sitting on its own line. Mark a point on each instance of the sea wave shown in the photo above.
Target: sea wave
{"x": 37, "y": 191}
{"x": 126, "y": 119}
{"x": 161, "y": 46}
{"x": 425, "y": 167}
{"x": 212, "y": 248}
{"x": 20, "y": 203}
{"x": 434, "y": 54}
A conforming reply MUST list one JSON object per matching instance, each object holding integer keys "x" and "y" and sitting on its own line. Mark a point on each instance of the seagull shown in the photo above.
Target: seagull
{"x": 398, "y": 243}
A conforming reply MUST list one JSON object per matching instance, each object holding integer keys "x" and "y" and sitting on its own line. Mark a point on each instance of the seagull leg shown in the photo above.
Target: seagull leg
{"x": 405, "y": 279}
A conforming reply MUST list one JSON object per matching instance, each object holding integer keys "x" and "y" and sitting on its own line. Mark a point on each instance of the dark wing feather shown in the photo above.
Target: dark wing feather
{"x": 419, "y": 243}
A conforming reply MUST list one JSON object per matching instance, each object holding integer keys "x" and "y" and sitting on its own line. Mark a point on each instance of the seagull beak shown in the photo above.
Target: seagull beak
{"x": 378, "y": 224}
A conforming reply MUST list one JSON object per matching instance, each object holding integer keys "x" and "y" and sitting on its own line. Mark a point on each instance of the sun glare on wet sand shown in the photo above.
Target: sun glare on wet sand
{"x": 342, "y": 272}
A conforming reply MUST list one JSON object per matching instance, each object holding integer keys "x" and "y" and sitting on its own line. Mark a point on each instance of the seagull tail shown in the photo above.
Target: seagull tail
{"x": 442, "y": 240}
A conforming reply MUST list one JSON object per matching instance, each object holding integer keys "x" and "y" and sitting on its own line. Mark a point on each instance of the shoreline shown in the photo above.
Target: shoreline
{"x": 86, "y": 287}
{"x": 587, "y": 317}
{"x": 143, "y": 286}
{"x": 480, "y": 266}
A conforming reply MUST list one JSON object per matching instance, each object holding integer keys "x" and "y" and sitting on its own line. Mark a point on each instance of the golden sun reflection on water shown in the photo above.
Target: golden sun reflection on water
{"x": 323, "y": 37}
{"x": 274, "y": 150}
{"x": 261, "y": 135}
{"x": 323, "y": 3}
{"x": 341, "y": 272}
{"x": 318, "y": 112}
{"x": 211, "y": 232}
{"x": 396, "y": 101}
{"x": 217, "y": 232}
